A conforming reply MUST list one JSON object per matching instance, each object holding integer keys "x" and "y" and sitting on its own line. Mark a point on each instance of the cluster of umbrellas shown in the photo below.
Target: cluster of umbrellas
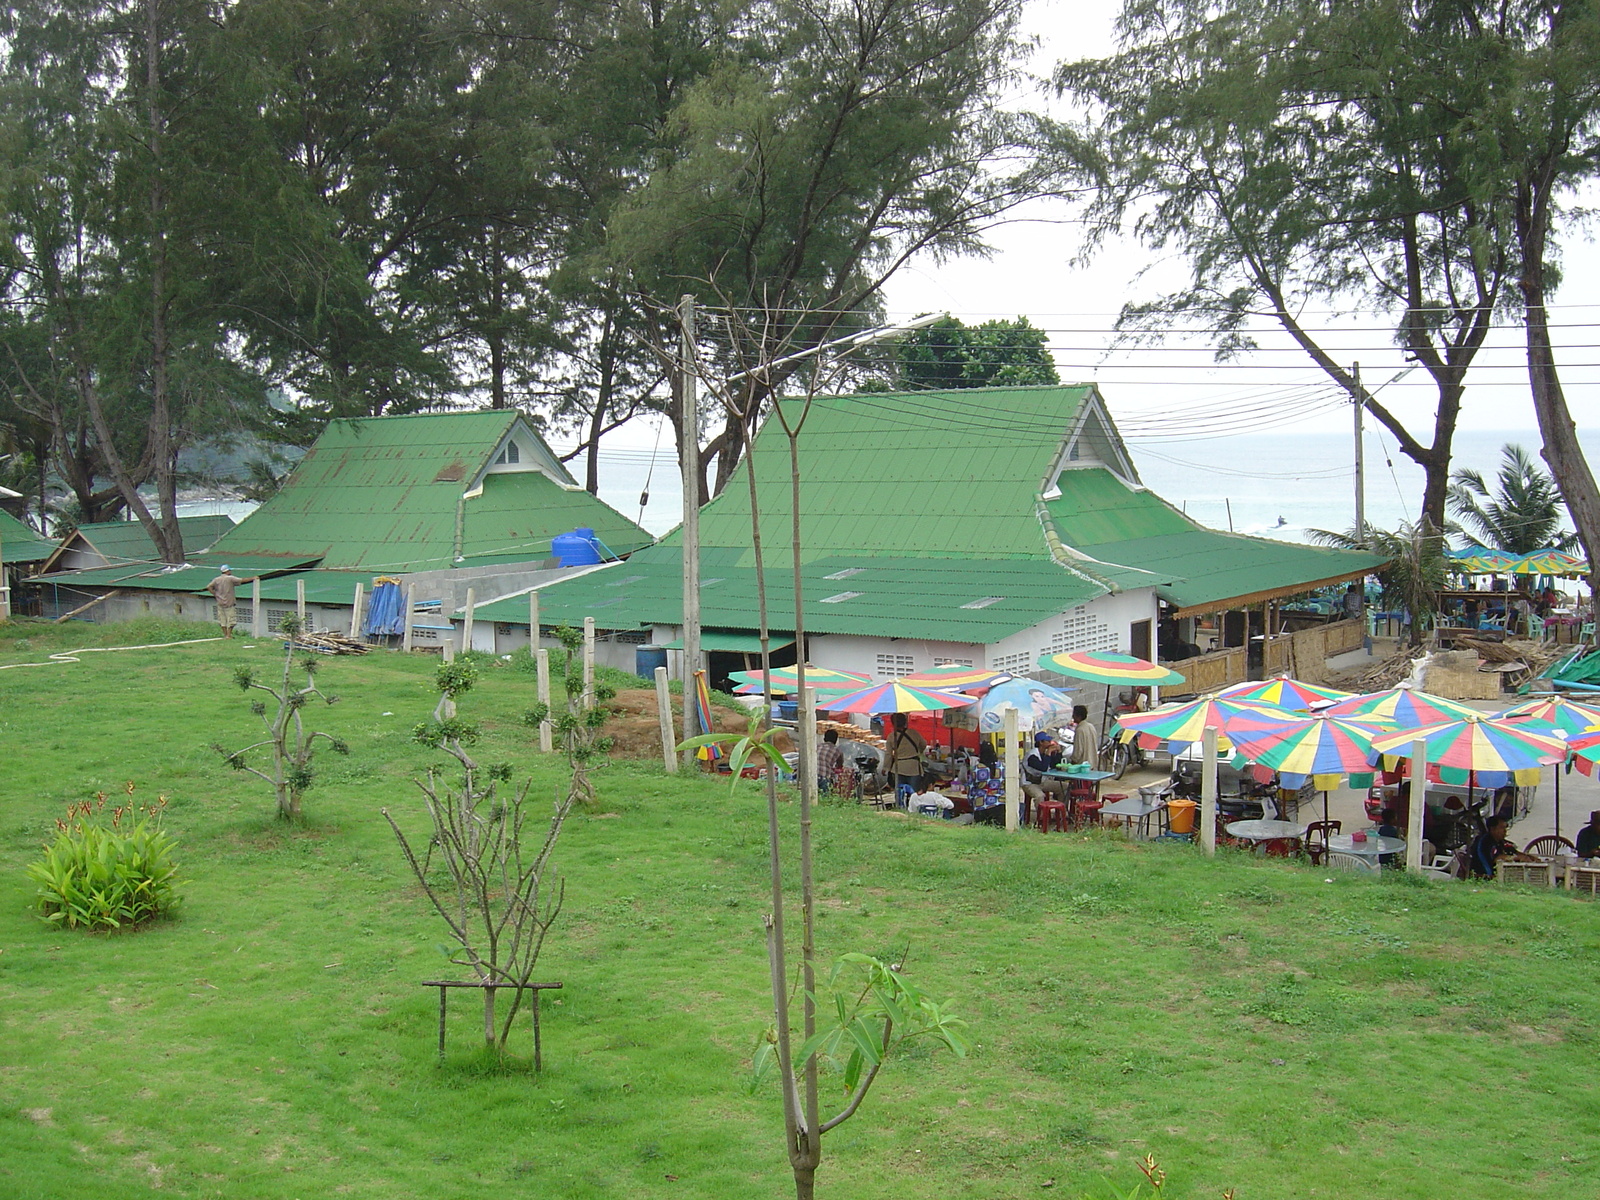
{"x": 1305, "y": 733}
{"x": 1478, "y": 560}
{"x": 1038, "y": 705}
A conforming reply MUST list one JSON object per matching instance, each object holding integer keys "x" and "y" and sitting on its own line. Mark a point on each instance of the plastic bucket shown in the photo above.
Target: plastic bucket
{"x": 1180, "y": 815}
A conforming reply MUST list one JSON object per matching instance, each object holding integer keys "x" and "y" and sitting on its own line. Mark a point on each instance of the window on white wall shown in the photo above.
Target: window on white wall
{"x": 892, "y": 666}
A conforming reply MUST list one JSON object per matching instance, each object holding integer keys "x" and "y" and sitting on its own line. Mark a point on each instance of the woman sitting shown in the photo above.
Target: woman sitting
{"x": 925, "y": 795}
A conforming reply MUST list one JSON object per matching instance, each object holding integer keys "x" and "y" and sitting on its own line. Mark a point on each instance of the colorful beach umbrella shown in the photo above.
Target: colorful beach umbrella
{"x": 1109, "y": 667}
{"x": 1401, "y": 706}
{"x": 1480, "y": 560}
{"x": 1330, "y": 752}
{"x": 1284, "y": 692}
{"x": 702, "y": 705}
{"x": 1548, "y": 562}
{"x": 1478, "y": 751}
{"x": 787, "y": 679}
{"x": 1181, "y": 725}
{"x": 1558, "y": 715}
{"x": 895, "y": 697}
{"x": 1039, "y": 706}
{"x": 1585, "y": 748}
{"x": 954, "y": 678}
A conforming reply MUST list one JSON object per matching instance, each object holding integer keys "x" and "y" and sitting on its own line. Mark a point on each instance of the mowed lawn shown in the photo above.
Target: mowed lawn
{"x": 1255, "y": 1025}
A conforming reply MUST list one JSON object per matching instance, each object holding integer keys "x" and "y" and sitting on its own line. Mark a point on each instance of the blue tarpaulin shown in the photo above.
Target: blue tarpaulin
{"x": 384, "y": 614}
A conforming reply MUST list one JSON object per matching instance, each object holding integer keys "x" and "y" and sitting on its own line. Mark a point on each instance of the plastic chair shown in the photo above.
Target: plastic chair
{"x": 1586, "y": 634}
{"x": 1536, "y": 626}
{"x": 1440, "y": 867}
{"x": 1549, "y": 846}
{"x": 1317, "y": 834}
{"x": 1337, "y": 860}
{"x": 929, "y": 810}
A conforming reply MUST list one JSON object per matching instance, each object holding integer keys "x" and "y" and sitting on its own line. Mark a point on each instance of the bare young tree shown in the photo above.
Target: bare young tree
{"x": 489, "y": 883}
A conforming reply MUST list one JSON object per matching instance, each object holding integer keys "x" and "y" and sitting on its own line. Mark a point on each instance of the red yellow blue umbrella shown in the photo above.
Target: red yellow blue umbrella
{"x": 1284, "y": 692}
{"x": 956, "y": 678}
{"x": 1324, "y": 750}
{"x": 1402, "y": 706}
{"x": 1477, "y": 750}
{"x": 1108, "y": 667}
{"x": 787, "y": 679}
{"x": 1181, "y": 725}
{"x": 895, "y": 697}
{"x": 1558, "y": 715}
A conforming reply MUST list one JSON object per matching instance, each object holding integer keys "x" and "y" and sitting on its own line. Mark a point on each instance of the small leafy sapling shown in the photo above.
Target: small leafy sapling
{"x": 577, "y": 724}
{"x": 290, "y": 743}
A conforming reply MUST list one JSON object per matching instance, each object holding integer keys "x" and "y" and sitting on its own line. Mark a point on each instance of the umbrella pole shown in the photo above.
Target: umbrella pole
{"x": 1558, "y": 799}
{"x": 1325, "y": 804}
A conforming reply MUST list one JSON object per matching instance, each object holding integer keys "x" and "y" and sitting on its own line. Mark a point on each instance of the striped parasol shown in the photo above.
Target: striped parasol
{"x": 1548, "y": 562}
{"x": 787, "y": 679}
{"x": 702, "y": 705}
{"x": 1181, "y": 725}
{"x": 953, "y": 678}
{"x": 1283, "y": 692}
{"x": 1585, "y": 749}
{"x": 1327, "y": 751}
{"x": 1401, "y": 706}
{"x": 1479, "y": 560}
{"x": 1108, "y": 667}
{"x": 895, "y": 697}
{"x": 1559, "y": 716}
{"x": 1478, "y": 751}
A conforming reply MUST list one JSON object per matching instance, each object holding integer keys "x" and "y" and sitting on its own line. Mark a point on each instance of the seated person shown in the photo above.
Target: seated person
{"x": 1588, "y": 839}
{"x": 925, "y": 794}
{"x": 1491, "y": 847}
{"x": 1389, "y": 826}
{"x": 1047, "y": 755}
{"x": 830, "y": 761}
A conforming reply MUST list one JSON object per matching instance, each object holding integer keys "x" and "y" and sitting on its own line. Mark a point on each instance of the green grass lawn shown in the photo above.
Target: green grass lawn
{"x": 1252, "y": 1024}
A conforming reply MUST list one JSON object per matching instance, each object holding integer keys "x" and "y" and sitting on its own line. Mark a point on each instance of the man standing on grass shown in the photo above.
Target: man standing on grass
{"x": 224, "y": 590}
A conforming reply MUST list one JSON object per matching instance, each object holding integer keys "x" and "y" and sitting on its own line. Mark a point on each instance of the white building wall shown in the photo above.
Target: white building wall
{"x": 1104, "y": 623}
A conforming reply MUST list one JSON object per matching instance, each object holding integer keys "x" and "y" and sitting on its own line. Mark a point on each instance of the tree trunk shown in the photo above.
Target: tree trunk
{"x": 489, "y": 1036}
{"x": 1560, "y": 432}
{"x": 805, "y": 1183}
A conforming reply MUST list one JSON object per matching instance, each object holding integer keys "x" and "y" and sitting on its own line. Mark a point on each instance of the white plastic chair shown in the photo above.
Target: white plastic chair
{"x": 1337, "y": 860}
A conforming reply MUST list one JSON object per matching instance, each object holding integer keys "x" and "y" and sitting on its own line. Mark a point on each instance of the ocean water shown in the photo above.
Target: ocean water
{"x": 1275, "y": 484}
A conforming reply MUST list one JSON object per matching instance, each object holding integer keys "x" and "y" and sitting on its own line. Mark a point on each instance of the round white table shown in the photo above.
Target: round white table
{"x": 1265, "y": 830}
{"x": 1371, "y": 848}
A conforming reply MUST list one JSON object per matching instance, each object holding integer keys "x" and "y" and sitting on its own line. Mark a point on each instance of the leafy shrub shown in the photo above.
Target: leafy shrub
{"x": 107, "y": 870}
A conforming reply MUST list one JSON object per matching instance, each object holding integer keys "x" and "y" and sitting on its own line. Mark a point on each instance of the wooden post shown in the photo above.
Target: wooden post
{"x": 533, "y": 622}
{"x": 588, "y": 662}
{"x": 450, "y": 645}
{"x": 689, "y": 464}
{"x": 1419, "y": 804}
{"x": 1208, "y": 789}
{"x": 466, "y": 619}
{"x": 300, "y": 604}
{"x": 258, "y": 618}
{"x": 1013, "y": 771}
{"x": 408, "y": 600}
{"x": 5, "y": 586}
{"x": 546, "y": 729}
{"x": 355, "y": 611}
{"x": 669, "y": 744}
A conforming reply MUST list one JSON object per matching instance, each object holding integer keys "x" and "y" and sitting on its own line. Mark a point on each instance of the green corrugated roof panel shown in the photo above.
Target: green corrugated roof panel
{"x": 20, "y": 544}
{"x": 936, "y": 474}
{"x": 382, "y": 494}
{"x": 192, "y": 578}
{"x": 914, "y": 597}
{"x": 1102, "y": 517}
{"x": 127, "y": 541}
{"x": 322, "y": 587}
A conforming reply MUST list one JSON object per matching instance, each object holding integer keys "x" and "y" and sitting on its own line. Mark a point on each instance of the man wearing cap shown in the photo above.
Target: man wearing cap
{"x": 1589, "y": 837}
{"x": 1047, "y": 755}
{"x": 224, "y": 590}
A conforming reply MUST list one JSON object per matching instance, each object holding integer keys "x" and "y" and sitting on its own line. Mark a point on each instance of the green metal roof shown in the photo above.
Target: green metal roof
{"x": 925, "y": 503}
{"x": 190, "y": 578}
{"x": 127, "y": 541}
{"x": 856, "y": 594}
{"x": 20, "y": 544}
{"x": 386, "y": 493}
{"x": 925, "y": 474}
{"x": 1100, "y": 516}
{"x": 732, "y": 643}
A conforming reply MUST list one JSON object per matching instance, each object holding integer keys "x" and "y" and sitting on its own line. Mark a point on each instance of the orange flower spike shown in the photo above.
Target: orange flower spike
{"x": 129, "y": 787}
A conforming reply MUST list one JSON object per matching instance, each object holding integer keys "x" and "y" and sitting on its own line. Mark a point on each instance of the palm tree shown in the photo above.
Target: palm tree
{"x": 1414, "y": 574}
{"x": 1521, "y": 515}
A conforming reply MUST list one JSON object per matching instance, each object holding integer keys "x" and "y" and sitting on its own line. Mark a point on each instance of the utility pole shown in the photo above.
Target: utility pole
{"x": 689, "y": 461}
{"x": 1361, "y": 482}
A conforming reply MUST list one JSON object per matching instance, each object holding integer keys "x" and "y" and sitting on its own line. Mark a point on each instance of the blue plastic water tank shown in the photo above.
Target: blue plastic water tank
{"x": 647, "y": 658}
{"x": 575, "y": 549}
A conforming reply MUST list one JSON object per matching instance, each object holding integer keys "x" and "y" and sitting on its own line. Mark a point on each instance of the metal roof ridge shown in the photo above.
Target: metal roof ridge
{"x": 1070, "y": 557}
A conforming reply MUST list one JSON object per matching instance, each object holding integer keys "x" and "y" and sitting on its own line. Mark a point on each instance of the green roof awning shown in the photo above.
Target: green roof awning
{"x": 732, "y": 643}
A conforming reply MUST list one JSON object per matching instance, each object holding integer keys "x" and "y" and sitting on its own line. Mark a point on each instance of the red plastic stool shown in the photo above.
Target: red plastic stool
{"x": 1051, "y": 812}
{"x": 1088, "y": 812}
